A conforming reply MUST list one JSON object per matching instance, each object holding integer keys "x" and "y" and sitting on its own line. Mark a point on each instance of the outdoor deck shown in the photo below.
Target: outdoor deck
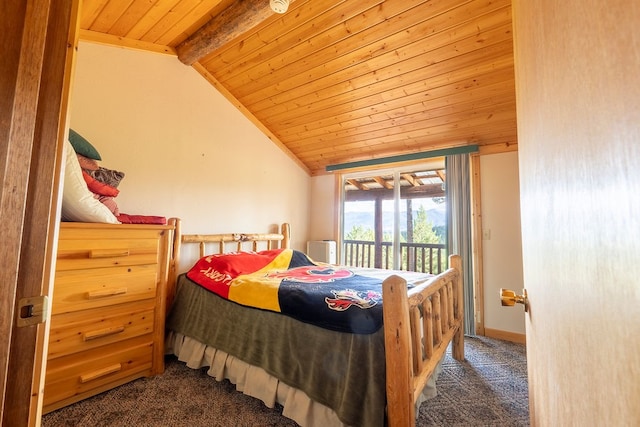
{"x": 422, "y": 257}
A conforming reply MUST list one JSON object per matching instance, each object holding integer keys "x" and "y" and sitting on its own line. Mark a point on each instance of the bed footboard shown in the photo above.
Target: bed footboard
{"x": 419, "y": 324}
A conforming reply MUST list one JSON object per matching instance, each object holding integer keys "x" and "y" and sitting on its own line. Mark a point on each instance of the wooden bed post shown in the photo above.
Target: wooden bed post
{"x": 457, "y": 350}
{"x": 286, "y": 234}
{"x": 174, "y": 262}
{"x": 398, "y": 355}
{"x": 418, "y": 326}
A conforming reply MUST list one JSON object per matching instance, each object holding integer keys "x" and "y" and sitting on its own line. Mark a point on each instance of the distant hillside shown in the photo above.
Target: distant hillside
{"x": 438, "y": 216}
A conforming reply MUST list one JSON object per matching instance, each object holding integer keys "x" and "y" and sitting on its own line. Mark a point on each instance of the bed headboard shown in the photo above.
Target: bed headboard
{"x": 239, "y": 240}
{"x": 225, "y": 242}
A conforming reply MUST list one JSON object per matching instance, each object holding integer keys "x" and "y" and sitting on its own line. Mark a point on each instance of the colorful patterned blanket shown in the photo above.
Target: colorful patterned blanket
{"x": 288, "y": 282}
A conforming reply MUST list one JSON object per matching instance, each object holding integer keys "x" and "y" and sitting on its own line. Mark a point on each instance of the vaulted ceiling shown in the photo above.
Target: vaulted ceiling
{"x": 338, "y": 81}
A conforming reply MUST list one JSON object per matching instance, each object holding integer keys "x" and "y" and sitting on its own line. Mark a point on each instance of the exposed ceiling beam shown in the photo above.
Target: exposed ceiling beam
{"x": 423, "y": 191}
{"x": 383, "y": 182}
{"x": 357, "y": 184}
{"x": 240, "y": 17}
{"x": 411, "y": 179}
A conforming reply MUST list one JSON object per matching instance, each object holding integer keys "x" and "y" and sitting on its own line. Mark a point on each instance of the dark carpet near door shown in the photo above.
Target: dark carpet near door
{"x": 488, "y": 389}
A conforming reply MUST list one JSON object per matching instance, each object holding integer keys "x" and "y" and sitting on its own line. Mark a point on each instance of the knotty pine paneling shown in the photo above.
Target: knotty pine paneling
{"x": 338, "y": 81}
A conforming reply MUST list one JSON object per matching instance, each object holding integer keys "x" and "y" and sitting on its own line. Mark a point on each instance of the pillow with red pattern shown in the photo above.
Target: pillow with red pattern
{"x": 98, "y": 187}
{"x": 110, "y": 203}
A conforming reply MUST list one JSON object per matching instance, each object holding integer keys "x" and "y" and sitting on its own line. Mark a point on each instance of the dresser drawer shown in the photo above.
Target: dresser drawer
{"x": 95, "y": 253}
{"x": 107, "y": 308}
{"x": 84, "y": 330}
{"x": 77, "y": 290}
{"x": 72, "y": 377}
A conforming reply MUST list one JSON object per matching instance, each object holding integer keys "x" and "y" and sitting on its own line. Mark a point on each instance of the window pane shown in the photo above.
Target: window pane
{"x": 358, "y": 237}
{"x": 423, "y": 227}
{"x": 369, "y": 220}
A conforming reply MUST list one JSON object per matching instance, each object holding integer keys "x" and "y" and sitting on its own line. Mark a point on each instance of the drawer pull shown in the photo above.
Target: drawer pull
{"x": 108, "y": 253}
{"x": 106, "y": 293}
{"x": 92, "y": 335}
{"x": 100, "y": 373}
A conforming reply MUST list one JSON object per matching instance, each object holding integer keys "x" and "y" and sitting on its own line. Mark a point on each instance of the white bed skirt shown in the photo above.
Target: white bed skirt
{"x": 256, "y": 382}
{"x": 252, "y": 381}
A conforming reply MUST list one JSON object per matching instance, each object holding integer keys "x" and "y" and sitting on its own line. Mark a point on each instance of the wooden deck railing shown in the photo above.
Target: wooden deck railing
{"x": 422, "y": 257}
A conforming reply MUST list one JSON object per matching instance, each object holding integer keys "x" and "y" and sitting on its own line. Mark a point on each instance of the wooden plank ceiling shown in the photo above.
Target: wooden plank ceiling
{"x": 336, "y": 81}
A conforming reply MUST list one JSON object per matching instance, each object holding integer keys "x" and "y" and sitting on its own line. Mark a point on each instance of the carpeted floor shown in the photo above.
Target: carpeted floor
{"x": 488, "y": 389}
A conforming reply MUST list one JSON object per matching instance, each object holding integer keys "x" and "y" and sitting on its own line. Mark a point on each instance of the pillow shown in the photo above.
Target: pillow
{"x": 82, "y": 146}
{"x": 98, "y": 187}
{"x": 110, "y": 203}
{"x": 87, "y": 163}
{"x": 78, "y": 203}
{"x": 107, "y": 176}
{"x": 141, "y": 219}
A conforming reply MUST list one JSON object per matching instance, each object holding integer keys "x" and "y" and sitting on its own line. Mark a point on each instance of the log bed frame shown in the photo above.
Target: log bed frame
{"x": 419, "y": 323}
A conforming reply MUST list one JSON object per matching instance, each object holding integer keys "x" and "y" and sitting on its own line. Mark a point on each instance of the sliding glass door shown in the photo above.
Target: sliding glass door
{"x": 395, "y": 219}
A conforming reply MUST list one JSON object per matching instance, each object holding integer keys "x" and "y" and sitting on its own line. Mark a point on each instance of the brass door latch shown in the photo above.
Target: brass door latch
{"x": 508, "y": 298}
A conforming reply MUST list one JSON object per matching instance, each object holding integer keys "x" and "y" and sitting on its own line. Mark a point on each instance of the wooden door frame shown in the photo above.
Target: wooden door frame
{"x": 36, "y": 74}
{"x": 476, "y": 245}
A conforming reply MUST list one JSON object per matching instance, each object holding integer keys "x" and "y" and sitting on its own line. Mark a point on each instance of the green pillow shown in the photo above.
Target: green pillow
{"x": 82, "y": 146}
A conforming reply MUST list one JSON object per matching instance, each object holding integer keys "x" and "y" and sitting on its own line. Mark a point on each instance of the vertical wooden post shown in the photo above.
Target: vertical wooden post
{"x": 411, "y": 250}
{"x": 398, "y": 355}
{"x": 285, "y": 230}
{"x": 377, "y": 258}
{"x": 455, "y": 262}
{"x": 174, "y": 261}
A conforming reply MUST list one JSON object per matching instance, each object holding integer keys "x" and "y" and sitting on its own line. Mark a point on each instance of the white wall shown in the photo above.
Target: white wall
{"x": 324, "y": 210}
{"x": 502, "y": 250}
{"x": 186, "y": 151}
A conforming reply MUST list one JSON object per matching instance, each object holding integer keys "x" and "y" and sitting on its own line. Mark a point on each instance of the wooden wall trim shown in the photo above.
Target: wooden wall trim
{"x": 503, "y": 147}
{"x": 111, "y": 40}
{"x": 394, "y": 160}
{"x": 477, "y": 254}
{"x": 506, "y": 336}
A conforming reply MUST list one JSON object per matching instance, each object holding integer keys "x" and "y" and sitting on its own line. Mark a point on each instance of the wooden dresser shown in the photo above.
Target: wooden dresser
{"x": 107, "y": 310}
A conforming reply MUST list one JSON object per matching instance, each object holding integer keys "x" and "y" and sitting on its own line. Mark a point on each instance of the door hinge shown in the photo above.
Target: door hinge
{"x": 33, "y": 310}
